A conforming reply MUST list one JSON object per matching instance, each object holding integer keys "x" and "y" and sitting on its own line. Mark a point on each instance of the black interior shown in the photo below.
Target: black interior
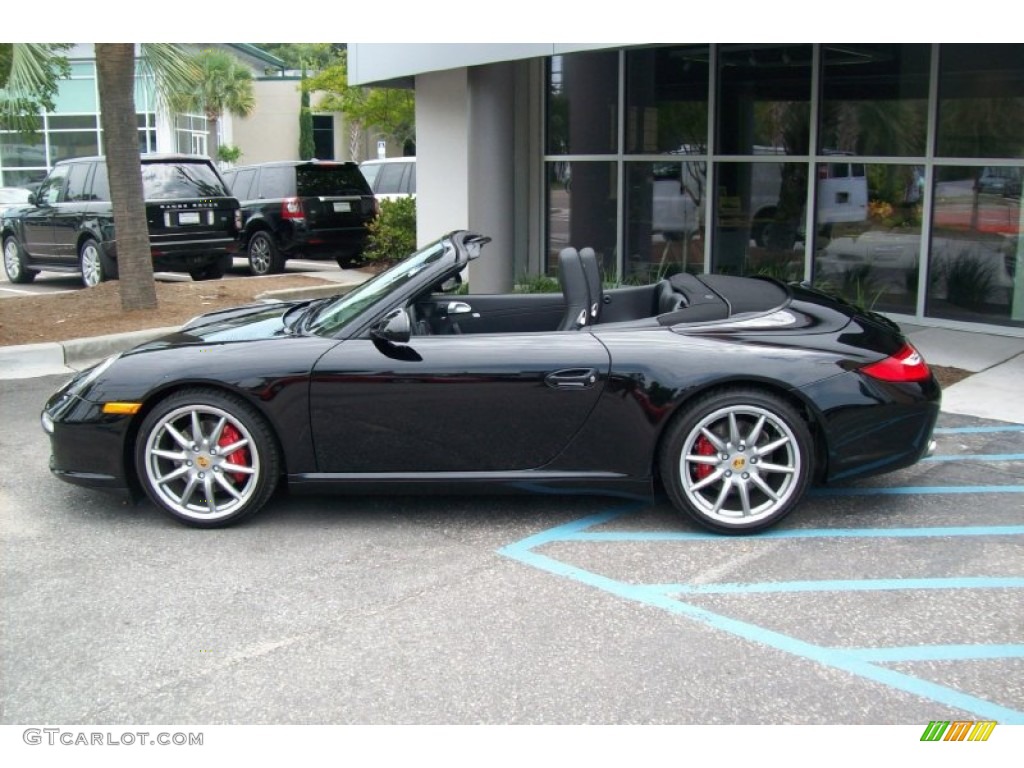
{"x": 680, "y": 298}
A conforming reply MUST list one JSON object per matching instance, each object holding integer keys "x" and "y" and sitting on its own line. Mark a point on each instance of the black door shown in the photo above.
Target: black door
{"x": 453, "y": 403}
{"x": 38, "y": 223}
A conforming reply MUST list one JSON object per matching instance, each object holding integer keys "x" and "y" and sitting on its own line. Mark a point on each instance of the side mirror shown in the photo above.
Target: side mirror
{"x": 32, "y": 198}
{"x": 395, "y": 327}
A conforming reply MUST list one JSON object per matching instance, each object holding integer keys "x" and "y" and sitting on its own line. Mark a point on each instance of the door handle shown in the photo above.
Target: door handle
{"x": 458, "y": 308}
{"x": 572, "y": 378}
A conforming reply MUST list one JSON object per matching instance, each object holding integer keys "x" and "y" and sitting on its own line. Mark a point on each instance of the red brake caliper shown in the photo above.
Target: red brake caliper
{"x": 230, "y": 435}
{"x": 704, "y": 448}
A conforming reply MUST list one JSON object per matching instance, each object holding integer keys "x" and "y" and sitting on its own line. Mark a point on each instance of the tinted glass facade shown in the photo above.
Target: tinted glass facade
{"x": 888, "y": 173}
{"x": 72, "y": 130}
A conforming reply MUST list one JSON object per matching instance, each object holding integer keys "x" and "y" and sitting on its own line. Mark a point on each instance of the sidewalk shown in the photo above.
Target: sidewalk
{"x": 994, "y": 391}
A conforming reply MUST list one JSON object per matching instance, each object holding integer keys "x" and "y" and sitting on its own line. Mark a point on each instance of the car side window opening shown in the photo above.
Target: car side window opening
{"x": 389, "y": 181}
{"x": 51, "y": 189}
{"x": 276, "y": 182}
{"x": 77, "y": 183}
{"x": 241, "y": 183}
{"x": 100, "y": 183}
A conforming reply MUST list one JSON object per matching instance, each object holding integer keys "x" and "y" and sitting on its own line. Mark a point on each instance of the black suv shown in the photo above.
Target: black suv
{"x": 313, "y": 209}
{"x": 68, "y": 224}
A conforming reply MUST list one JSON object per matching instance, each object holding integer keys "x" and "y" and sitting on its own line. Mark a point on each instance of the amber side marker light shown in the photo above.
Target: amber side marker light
{"x": 905, "y": 365}
{"x": 123, "y": 409}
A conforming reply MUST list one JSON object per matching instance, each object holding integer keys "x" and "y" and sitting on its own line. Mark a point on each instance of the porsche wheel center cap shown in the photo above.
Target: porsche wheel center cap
{"x": 203, "y": 462}
{"x": 738, "y": 463}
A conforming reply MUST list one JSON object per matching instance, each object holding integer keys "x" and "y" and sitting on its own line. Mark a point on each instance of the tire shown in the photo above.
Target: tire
{"x": 713, "y": 473}
{"x": 213, "y": 271}
{"x": 14, "y": 263}
{"x": 91, "y": 261}
{"x": 264, "y": 256}
{"x": 184, "y": 469}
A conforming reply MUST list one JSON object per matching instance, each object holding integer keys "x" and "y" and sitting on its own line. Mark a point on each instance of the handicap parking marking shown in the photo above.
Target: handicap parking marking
{"x": 862, "y": 662}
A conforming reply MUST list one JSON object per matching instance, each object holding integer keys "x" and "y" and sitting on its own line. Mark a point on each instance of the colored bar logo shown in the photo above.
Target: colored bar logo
{"x": 958, "y": 730}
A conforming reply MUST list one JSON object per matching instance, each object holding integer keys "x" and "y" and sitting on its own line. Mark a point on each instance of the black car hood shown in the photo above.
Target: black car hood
{"x": 246, "y": 323}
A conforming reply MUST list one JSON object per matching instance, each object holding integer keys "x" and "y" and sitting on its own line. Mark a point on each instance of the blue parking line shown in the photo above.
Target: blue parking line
{"x": 976, "y": 457}
{"x": 831, "y": 657}
{"x": 859, "y": 662}
{"x": 840, "y": 585}
{"x": 938, "y": 653}
{"x": 976, "y": 430}
{"x": 581, "y": 534}
{"x": 907, "y": 490}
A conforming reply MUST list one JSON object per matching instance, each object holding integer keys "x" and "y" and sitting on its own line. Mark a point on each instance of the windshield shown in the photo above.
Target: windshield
{"x": 180, "y": 179}
{"x": 332, "y": 317}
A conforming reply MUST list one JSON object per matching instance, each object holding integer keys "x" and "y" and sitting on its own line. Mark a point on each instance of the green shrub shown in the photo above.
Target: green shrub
{"x": 393, "y": 232}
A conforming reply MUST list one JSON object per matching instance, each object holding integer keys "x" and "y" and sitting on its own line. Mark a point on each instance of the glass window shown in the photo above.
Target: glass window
{"x": 277, "y": 181}
{"x": 77, "y": 95}
{"x": 868, "y": 234}
{"x": 18, "y": 150}
{"x": 323, "y": 136}
{"x": 77, "y": 178}
{"x": 67, "y": 144}
{"x": 240, "y": 182}
{"x": 667, "y": 100}
{"x": 582, "y": 211}
{"x": 976, "y": 267}
{"x": 100, "y": 183}
{"x": 168, "y": 181}
{"x": 764, "y": 99}
{"x": 665, "y": 205}
{"x": 875, "y": 99}
{"x": 326, "y": 179}
{"x": 71, "y": 122}
{"x": 981, "y": 100}
{"x": 389, "y": 180}
{"x": 583, "y": 112}
{"x": 50, "y": 190}
{"x": 759, "y": 218}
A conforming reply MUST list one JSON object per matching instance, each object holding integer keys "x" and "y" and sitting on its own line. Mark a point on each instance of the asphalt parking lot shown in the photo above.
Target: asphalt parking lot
{"x": 896, "y": 600}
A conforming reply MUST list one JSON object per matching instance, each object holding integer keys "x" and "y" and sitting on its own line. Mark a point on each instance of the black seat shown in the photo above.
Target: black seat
{"x": 574, "y": 288}
{"x": 594, "y": 288}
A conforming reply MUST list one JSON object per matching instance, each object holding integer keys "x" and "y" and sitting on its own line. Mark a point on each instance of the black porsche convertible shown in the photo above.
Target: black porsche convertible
{"x": 731, "y": 394}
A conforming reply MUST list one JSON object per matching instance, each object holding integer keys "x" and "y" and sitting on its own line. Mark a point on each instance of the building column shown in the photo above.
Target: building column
{"x": 491, "y": 177}
{"x": 442, "y": 159}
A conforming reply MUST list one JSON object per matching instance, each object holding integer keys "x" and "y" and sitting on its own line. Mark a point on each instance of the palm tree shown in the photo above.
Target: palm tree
{"x": 170, "y": 68}
{"x": 224, "y": 85}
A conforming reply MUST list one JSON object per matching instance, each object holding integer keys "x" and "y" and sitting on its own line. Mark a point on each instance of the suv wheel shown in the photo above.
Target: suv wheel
{"x": 93, "y": 272}
{"x": 213, "y": 271}
{"x": 14, "y": 263}
{"x": 264, "y": 256}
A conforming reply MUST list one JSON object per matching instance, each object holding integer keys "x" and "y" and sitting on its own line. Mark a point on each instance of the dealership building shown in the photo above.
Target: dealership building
{"x": 888, "y": 172}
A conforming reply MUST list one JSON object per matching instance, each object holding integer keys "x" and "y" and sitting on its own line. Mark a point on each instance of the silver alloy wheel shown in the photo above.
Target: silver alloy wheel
{"x": 260, "y": 254}
{"x": 12, "y": 260}
{"x": 92, "y": 269}
{"x": 192, "y": 472}
{"x": 740, "y": 464}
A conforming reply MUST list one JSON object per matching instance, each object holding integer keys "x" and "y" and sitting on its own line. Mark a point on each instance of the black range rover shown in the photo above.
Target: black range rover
{"x": 314, "y": 209}
{"x": 68, "y": 225}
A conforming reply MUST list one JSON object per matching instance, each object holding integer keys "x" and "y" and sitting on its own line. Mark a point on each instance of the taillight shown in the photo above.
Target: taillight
{"x": 291, "y": 208}
{"x": 238, "y": 219}
{"x": 905, "y": 365}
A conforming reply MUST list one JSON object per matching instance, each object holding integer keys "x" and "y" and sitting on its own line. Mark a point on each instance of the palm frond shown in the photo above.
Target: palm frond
{"x": 173, "y": 71}
{"x": 31, "y": 82}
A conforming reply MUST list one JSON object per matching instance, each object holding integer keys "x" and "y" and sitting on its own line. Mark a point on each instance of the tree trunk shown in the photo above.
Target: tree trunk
{"x": 115, "y": 69}
{"x": 212, "y": 136}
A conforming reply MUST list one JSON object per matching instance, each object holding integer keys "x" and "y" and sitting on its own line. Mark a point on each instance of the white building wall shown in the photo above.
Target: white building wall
{"x": 442, "y": 154}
